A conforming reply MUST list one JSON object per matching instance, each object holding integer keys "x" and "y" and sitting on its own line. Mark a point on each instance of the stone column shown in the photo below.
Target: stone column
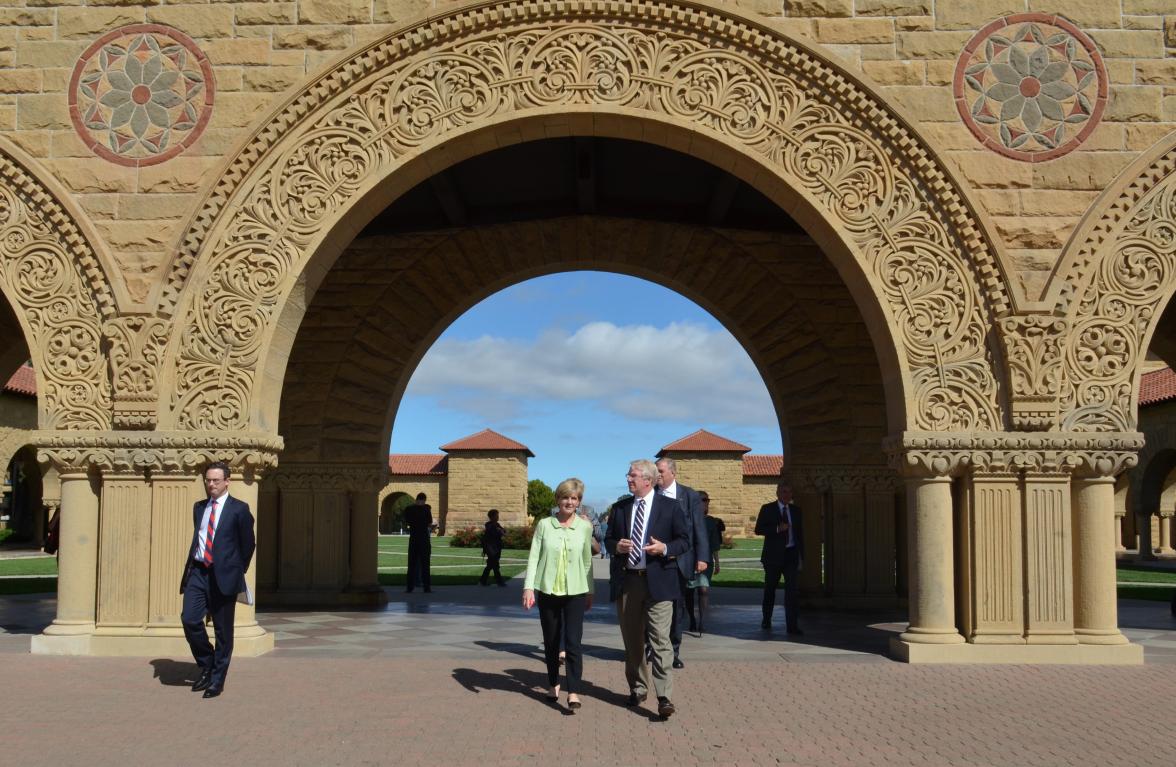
{"x": 1164, "y": 544}
{"x": 246, "y": 489}
{"x": 77, "y": 578}
{"x": 1095, "y": 599}
{"x": 932, "y": 571}
{"x": 365, "y": 510}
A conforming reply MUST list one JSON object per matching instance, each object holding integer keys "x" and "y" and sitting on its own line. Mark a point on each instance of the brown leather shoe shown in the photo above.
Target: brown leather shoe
{"x": 665, "y": 709}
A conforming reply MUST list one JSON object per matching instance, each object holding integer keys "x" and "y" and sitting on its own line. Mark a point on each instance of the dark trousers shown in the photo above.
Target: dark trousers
{"x": 201, "y": 596}
{"x": 789, "y": 569}
{"x": 492, "y": 563}
{"x": 676, "y": 627}
{"x": 420, "y": 551}
{"x": 562, "y": 616}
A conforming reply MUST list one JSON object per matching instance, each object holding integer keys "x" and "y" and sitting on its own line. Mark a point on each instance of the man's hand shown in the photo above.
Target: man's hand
{"x": 624, "y": 546}
{"x": 700, "y": 566}
{"x": 655, "y": 547}
{"x": 782, "y": 527}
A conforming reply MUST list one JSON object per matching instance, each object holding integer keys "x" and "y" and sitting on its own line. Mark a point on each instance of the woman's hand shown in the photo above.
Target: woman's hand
{"x": 589, "y": 607}
{"x": 528, "y": 599}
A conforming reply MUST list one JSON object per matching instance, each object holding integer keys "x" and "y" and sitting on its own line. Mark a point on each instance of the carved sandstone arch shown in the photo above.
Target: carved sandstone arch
{"x": 56, "y": 282}
{"x": 1115, "y": 276}
{"x": 768, "y": 109}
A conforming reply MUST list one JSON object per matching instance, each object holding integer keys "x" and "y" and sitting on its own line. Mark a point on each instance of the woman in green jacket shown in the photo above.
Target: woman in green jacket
{"x": 559, "y": 580}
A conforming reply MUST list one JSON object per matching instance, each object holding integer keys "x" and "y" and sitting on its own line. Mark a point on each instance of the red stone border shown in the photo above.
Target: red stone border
{"x": 205, "y": 115}
{"x": 961, "y": 101}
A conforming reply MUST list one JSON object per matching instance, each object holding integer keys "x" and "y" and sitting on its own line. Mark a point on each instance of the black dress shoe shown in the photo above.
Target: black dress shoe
{"x": 212, "y": 692}
{"x": 765, "y": 624}
{"x": 635, "y": 699}
{"x": 204, "y": 680}
{"x": 428, "y": 591}
{"x": 678, "y": 663}
{"x": 795, "y": 632}
{"x": 665, "y": 709}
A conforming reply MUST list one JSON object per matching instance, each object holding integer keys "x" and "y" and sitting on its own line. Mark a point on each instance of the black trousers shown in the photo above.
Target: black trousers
{"x": 420, "y": 551}
{"x": 790, "y": 570}
{"x": 679, "y": 618}
{"x": 562, "y": 617}
{"x": 492, "y": 563}
{"x": 201, "y": 596}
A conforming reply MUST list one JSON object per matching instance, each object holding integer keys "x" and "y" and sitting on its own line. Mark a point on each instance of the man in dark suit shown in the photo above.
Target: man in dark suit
{"x": 214, "y": 574}
{"x": 780, "y": 523}
{"x": 419, "y": 519}
{"x": 697, "y": 556}
{"x": 644, "y": 534}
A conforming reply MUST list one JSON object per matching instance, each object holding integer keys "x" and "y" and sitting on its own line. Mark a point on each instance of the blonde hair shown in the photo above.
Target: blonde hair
{"x": 569, "y": 488}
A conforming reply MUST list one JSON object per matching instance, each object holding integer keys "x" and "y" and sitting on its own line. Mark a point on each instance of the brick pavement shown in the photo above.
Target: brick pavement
{"x": 457, "y": 679}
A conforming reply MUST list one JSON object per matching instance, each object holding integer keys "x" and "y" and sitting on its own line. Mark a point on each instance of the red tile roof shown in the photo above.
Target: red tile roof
{"x": 1157, "y": 386}
{"x": 487, "y": 440}
{"x": 23, "y": 381}
{"x": 703, "y": 441}
{"x": 762, "y": 465}
{"x": 417, "y": 463}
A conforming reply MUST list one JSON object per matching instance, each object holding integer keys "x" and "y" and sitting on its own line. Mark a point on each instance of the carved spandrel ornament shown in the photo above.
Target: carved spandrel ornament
{"x": 54, "y": 284}
{"x": 1132, "y": 255}
{"x": 1034, "y": 356}
{"x": 913, "y": 234}
{"x": 136, "y": 345}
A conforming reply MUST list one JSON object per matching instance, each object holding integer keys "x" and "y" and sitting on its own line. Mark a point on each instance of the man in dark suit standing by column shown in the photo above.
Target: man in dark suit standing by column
{"x": 780, "y": 523}
{"x": 214, "y": 574}
{"x": 645, "y": 533}
{"x": 696, "y": 557}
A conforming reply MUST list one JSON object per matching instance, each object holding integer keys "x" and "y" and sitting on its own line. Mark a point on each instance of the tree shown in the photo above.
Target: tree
{"x": 540, "y": 499}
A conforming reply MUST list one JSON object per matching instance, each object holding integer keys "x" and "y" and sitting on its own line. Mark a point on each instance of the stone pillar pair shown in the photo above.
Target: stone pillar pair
{"x": 1031, "y": 518}
{"x": 320, "y": 536}
{"x": 126, "y": 524}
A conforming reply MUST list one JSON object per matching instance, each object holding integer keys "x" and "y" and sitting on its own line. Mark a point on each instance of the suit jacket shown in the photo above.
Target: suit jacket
{"x": 775, "y": 551}
{"x": 418, "y": 518}
{"x": 698, "y": 542}
{"x": 664, "y": 521}
{"x": 232, "y": 546}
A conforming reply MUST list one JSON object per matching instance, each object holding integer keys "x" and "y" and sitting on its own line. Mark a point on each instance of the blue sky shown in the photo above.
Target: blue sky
{"x": 589, "y": 370}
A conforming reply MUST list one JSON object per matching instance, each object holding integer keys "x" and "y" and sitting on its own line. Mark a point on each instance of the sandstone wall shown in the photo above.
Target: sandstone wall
{"x": 484, "y": 480}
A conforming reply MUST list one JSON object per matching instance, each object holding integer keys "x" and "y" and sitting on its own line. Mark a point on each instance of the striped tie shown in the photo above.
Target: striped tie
{"x": 638, "y": 536}
{"x": 209, "y": 534}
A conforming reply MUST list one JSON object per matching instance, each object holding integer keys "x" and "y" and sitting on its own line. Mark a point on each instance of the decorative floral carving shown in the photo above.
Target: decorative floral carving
{"x": 1031, "y": 86}
{"x": 54, "y": 284}
{"x": 1114, "y": 313}
{"x": 136, "y": 350}
{"x": 141, "y": 94}
{"x": 872, "y": 180}
{"x": 1033, "y": 351}
{"x": 358, "y": 477}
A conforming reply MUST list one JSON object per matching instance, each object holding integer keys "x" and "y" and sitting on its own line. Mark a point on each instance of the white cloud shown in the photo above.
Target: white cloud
{"x": 682, "y": 371}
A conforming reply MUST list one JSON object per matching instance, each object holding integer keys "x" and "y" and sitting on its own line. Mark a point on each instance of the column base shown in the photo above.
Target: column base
{"x": 1072, "y": 654}
{"x": 248, "y": 642}
{"x": 931, "y": 636}
{"x": 1092, "y": 637}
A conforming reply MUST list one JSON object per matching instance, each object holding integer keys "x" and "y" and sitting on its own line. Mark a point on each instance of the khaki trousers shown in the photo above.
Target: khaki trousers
{"x": 635, "y": 612}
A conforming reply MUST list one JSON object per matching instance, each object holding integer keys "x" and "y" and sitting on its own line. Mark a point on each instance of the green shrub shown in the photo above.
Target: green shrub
{"x": 471, "y": 537}
{"x": 5, "y": 534}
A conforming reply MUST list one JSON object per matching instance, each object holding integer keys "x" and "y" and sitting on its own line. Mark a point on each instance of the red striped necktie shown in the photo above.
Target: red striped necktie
{"x": 208, "y": 535}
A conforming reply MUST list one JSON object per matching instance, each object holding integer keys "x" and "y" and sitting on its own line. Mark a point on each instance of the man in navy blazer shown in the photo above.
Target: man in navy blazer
{"x": 645, "y": 534}
{"x": 780, "y": 523}
{"x": 214, "y": 574}
{"x": 697, "y": 556}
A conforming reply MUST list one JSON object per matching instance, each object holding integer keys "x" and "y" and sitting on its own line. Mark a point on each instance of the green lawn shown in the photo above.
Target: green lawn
{"x": 44, "y": 565}
{"x": 449, "y": 566}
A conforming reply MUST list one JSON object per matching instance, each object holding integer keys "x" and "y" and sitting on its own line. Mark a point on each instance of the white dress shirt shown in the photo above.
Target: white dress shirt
{"x": 786, "y": 516}
{"x": 640, "y": 545}
{"x": 220, "y": 508}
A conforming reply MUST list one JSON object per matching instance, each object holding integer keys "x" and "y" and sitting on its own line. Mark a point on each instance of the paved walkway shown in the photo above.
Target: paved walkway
{"x": 456, "y": 678}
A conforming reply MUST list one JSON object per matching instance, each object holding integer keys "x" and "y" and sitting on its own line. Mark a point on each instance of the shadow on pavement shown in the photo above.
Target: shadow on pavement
{"x": 533, "y": 684}
{"x": 174, "y": 673}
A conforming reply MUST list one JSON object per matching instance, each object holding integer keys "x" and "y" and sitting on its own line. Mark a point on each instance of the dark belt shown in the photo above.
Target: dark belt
{"x": 201, "y": 565}
{"x": 640, "y": 573}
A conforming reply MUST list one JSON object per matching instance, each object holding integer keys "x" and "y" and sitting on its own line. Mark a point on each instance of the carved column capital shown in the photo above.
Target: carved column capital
{"x": 152, "y": 453}
{"x": 1081, "y": 453}
{"x": 136, "y": 346}
{"x": 331, "y": 476}
{"x": 839, "y": 478}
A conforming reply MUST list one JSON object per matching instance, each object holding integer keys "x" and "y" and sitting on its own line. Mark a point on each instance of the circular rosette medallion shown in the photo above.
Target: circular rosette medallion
{"x": 141, "y": 94}
{"x": 1031, "y": 86}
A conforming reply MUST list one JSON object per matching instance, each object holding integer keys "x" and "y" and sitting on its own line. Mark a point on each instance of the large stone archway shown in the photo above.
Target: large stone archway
{"x": 770, "y": 110}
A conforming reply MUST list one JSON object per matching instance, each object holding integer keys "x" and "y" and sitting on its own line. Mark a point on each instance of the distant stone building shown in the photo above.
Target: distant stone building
{"x": 1146, "y": 495}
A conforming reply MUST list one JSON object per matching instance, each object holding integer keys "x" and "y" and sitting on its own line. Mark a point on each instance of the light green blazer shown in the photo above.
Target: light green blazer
{"x": 552, "y": 543}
